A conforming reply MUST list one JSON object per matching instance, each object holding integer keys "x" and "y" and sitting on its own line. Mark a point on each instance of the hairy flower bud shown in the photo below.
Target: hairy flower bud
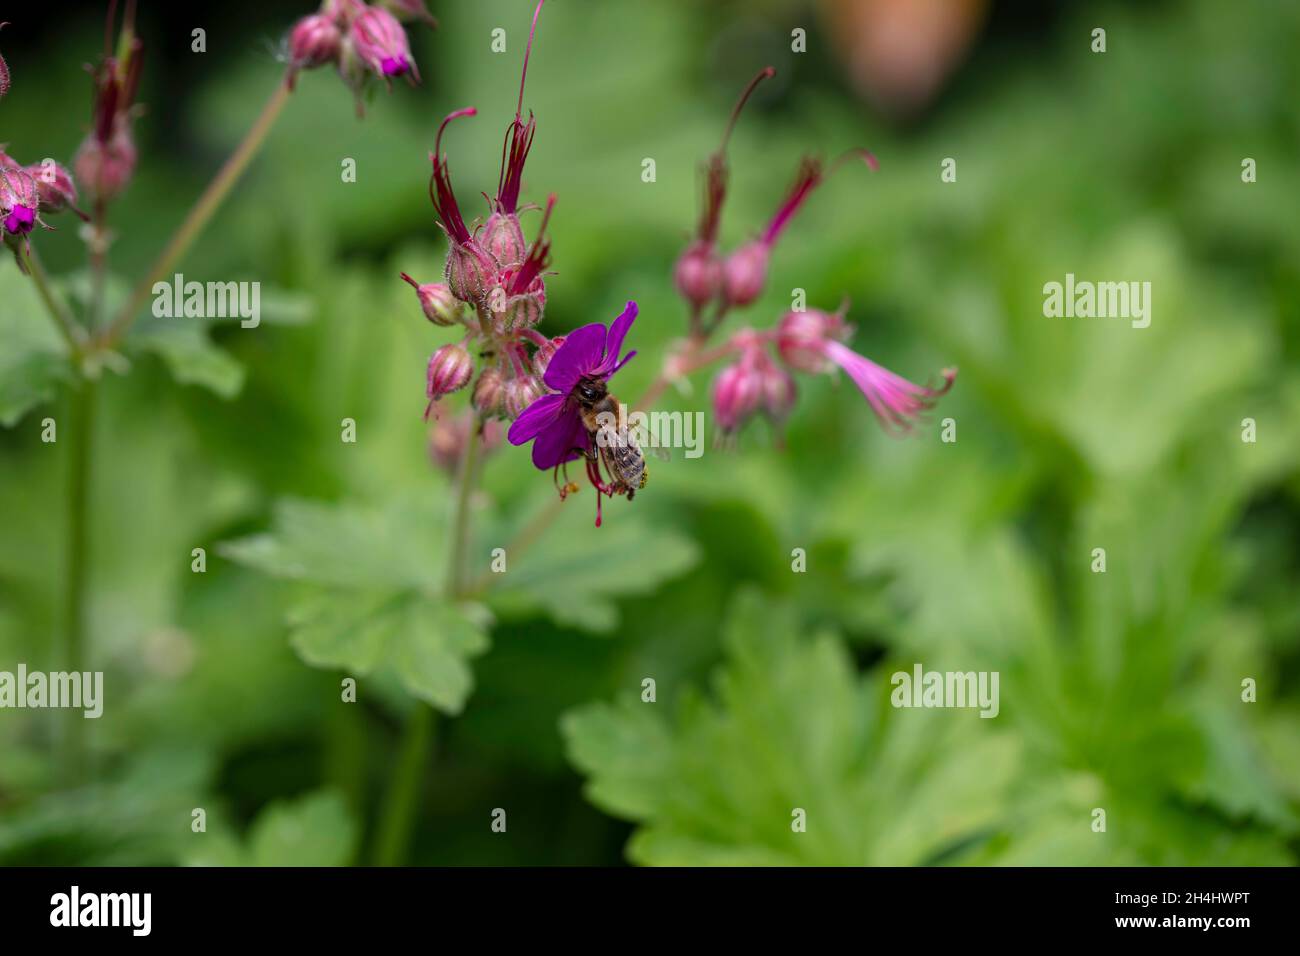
{"x": 737, "y": 391}
{"x": 745, "y": 273}
{"x": 439, "y": 305}
{"x": 314, "y": 41}
{"x": 698, "y": 275}
{"x": 380, "y": 43}
{"x": 519, "y": 393}
{"x": 343, "y": 12}
{"x": 801, "y": 338}
{"x": 471, "y": 273}
{"x": 19, "y": 200}
{"x": 57, "y": 190}
{"x": 503, "y": 238}
{"x": 450, "y": 368}
{"x": 105, "y": 168}
{"x": 488, "y": 392}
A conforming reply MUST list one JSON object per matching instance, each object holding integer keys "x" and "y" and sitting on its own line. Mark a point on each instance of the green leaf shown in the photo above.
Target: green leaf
{"x": 371, "y": 600}
{"x": 576, "y": 571}
{"x": 793, "y": 728}
{"x": 316, "y": 829}
{"x": 190, "y": 356}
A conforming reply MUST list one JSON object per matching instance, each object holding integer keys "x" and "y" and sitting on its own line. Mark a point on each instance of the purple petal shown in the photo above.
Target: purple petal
{"x": 579, "y": 355}
{"x": 557, "y": 443}
{"x": 536, "y": 417}
{"x": 617, "y": 332}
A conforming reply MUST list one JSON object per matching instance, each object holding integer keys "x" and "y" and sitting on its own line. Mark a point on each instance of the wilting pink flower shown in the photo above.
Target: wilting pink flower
{"x": 105, "y": 161}
{"x": 812, "y": 342}
{"x": 379, "y": 41}
{"x": 586, "y": 360}
{"x": 449, "y": 371}
{"x": 439, "y": 305}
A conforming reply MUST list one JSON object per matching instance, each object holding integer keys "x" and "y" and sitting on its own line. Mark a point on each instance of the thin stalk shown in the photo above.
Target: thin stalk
{"x": 397, "y": 818}
{"x": 81, "y": 448}
{"x": 62, "y": 318}
{"x": 200, "y": 213}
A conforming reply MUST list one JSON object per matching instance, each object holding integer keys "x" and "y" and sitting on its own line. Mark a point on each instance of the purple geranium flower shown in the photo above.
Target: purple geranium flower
{"x": 554, "y": 422}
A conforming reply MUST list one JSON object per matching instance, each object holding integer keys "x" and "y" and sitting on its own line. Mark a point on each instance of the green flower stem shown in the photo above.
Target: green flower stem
{"x": 81, "y": 425}
{"x": 69, "y": 329}
{"x": 397, "y": 818}
{"x": 199, "y": 214}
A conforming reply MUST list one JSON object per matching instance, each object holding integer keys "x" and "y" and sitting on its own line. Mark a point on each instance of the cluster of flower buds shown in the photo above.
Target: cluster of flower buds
{"x": 812, "y": 342}
{"x": 705, "y": 276}
{"x": 494, "y": 286}
{"x": 26, "y": 193}
{"x": 362, "y": 40}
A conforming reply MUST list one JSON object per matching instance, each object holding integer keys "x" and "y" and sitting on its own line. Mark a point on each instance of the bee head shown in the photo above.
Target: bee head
{"x": 589, "y": 390}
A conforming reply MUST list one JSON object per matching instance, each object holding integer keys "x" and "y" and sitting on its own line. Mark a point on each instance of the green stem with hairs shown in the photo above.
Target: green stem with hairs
{"x": 397, "y": 817}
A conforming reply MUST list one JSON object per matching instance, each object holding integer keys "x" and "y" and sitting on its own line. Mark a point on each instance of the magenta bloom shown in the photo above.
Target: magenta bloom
{"x": 896, "y": 402}
{"x": 553, "y": 422}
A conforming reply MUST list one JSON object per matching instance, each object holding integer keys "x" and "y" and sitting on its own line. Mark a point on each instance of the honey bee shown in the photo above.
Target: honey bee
{"x": 617, "y": 449}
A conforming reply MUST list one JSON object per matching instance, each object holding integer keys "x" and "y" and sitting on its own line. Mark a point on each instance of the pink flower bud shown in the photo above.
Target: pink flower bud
{"x": 449, "y": 436}
{"x": 19, "y": 200}
{"x": 439, "y": 305}
{"x": 542, "y": 357}
{"x": 57, "y": 190}
{"x": 778, "y": 390}
{"x": 488, "y": 392}
{"x": 520, "y": 311}
{"x": 450, "y": 369}
{"x": 314, "y": 41}
{"x": 745, "y": 273}
{"x": 698, "y": 274}
{"x": 343, "y": 12}
{"x": 105, "y": 168}
{"x": 408, "y": 10}
{"x": 801, "y": 338}
{"x": 520, "y": 392}
{"x": 737, "y": 391}
{"x": 380, "y": 43}
{"x": 503, "y": 238}
{"x": 471, "y": 272}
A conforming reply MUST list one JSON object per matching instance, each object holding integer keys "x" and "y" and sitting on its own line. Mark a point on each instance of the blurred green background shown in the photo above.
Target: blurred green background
{"x": 1119, "y": 690}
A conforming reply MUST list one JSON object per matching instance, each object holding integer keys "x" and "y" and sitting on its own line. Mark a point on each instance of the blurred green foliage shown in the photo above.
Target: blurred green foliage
{"x": 1119, "y": 690}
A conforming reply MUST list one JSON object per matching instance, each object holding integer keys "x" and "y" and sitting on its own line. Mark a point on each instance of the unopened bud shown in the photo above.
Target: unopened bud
{"x": 698, "y": 274}
{"x": 380, "y": 43}
{"x": 471, "y": 272}
{"x": 439, "y": 305}
{"x": 314, "y": 41}
{"x": 19, "y": 200}
{"x": 503, "y": 238}
{"x": 57, "y": 190}
{"x": 778, "y": 391}
{"x": 488, "y": 391}
{"x": 520, "y": 392}
{"x": 105, "y": 169}
{"x": 737, "y": 391}
{"x": 745, "y": 273}
{"x": 450, "y": 368}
